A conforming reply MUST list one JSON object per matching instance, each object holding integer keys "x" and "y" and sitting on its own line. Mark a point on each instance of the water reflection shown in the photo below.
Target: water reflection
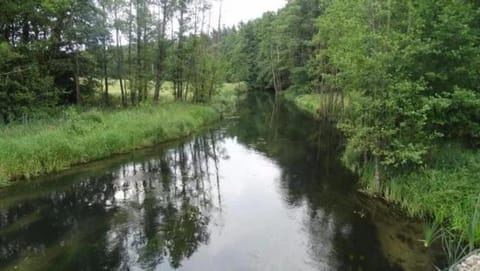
{"x": 364, "y": 234}
{"x": 265, "y": 192}
{"x": 147, "y": 213}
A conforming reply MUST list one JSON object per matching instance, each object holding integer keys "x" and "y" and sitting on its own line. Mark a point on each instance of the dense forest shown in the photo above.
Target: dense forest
{"x": 400, "y": 79}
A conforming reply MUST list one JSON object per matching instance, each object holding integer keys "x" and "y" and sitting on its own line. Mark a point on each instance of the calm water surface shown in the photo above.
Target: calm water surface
{"x": 263, "y": 191}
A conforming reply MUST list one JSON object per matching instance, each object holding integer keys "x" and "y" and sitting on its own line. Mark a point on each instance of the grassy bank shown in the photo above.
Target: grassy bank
{"x": 446, "y": 191}
{"x": 31, "y": 150}
{"x": 318, "y": 105}
{"x": 74, "y": 135}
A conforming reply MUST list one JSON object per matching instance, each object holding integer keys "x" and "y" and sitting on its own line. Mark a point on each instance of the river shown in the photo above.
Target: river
{"x": 264, "y": 190}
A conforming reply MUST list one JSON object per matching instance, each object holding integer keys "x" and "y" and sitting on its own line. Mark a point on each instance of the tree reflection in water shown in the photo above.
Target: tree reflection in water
{"x": 175, "y": 205}
{"x": 151, "y": 212}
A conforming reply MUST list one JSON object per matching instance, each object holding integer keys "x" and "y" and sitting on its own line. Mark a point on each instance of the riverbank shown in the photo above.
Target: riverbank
{"x": 318, "y": 105}
{"x": 79, "y": 136}
{"x": 28, "y": 151}
{"x": 445, "y": 191}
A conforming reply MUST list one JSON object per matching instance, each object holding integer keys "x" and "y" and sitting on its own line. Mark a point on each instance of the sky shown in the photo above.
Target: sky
{"x": 235, "y": 11}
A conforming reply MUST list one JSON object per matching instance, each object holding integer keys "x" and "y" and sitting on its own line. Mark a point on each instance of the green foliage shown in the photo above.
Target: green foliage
{"x": 448, "y": 189}
{"x": 319, "y": 105}
{"x": 402, "y": 66}
{"x": 381, "y": 52}
{"x": 22, "y": 87}
{"x": 65, "y": 46}
{"x": 206, "y": 73}
{"x": 227, "y": 96}
{"x": 456, "y": 115}
{"x": 272, "y": 52}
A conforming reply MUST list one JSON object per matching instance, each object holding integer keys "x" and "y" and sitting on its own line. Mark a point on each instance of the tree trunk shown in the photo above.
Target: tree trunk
{"x": 138, "y": 67}
{"x": 5, "y": 117}
{"x": 77, "y": 79}
{"x": 25, "y": 31}
{"x": 161, "y": 35}
{"x": 220, "y": 18}
{"x": 279, "y": 81}
{"x": 180, "y": 52}
{"x": 377, "y": 178}
{"x": 158, "y": 86}
{"x": 105, "y": 73}
{"x": 161, "y": 54}
{"x": 130, "y": 37}
{"x": 119, "y": 58}
{"x": 274, "y": 75}
{"x": 104, "y": 43}
{"x": 144, "y": 60}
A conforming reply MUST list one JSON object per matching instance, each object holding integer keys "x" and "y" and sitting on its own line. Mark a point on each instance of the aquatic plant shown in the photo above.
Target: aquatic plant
{"x": 453, "y": 247}
{"x": 474, "y": 226}
{"x": 432, "y": 231}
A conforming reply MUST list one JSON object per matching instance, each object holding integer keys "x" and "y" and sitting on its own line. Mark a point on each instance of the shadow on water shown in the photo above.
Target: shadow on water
{"x": 264, "y": 192}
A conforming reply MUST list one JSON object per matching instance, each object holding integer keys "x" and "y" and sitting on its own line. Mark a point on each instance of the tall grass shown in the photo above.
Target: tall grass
{"x": 448, "y": 190}
{"x": 453, "y": 247}
{"x": 432, "y": 231}
{"x": 319, "y": 105}
{"x": 34, "y": 149}
{"x": 474, "y": 226}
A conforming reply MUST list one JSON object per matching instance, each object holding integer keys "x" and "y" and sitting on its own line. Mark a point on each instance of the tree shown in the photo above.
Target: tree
{"x": 105, "y": 4}
{"x": 118, "y": 6}
{"x": 165, "y": 10}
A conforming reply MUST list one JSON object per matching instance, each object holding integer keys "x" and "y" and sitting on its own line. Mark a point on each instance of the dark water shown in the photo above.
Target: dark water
{"x": 264, "y": 191}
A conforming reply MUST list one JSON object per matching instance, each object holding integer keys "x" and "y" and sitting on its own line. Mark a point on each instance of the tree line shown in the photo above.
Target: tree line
{"x": 59, "y": 52}
{"x": 408, "y": 71}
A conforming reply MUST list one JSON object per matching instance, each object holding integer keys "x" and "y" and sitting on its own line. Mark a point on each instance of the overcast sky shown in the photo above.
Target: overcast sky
{"x": 235, "y": 11}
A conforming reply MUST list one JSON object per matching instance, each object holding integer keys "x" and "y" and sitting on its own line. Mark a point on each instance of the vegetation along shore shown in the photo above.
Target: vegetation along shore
{"x": 399, "y": 81}
{"x": 78, "y": 135}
